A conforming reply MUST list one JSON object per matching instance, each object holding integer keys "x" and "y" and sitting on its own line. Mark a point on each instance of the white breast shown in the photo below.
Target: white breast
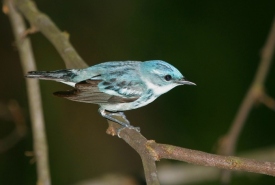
{"x": 159, "y": 90}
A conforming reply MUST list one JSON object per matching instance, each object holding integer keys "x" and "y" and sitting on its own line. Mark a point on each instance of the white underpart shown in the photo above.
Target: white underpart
{"x": 69, "y": 83}
{"x": 159, "y": 90}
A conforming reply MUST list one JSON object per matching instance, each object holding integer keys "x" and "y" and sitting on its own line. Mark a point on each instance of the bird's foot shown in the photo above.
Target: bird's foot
{"x": 121, "y": 114}
{"x": 125, "y": 124}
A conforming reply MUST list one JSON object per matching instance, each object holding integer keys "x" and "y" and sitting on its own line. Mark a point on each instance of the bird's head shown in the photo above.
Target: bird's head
{"x": 161, "y": 76}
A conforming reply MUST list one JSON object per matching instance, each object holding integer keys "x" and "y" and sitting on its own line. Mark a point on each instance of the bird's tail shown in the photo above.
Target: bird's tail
{"x": 59, "y": 75}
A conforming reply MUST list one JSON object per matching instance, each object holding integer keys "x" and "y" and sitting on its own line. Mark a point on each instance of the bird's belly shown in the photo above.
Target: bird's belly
{"x": 118, "y": 107}
{"x": 128, "y": 106}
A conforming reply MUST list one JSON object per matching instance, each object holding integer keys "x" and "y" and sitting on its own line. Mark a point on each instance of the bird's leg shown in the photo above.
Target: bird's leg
{"x": 121, "y": 114}
{"x": 125, "y": 125}
{"x": 110, "y": 117}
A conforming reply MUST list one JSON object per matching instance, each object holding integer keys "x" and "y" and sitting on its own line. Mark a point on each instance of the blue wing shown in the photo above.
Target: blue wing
{"x": 87, "y": 92}
{"x": 109, "y": 82}
{"x": 118, "y": 78}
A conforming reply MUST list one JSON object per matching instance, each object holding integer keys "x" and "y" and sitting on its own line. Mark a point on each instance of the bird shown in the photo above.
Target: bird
{"x": 116, "y": 86}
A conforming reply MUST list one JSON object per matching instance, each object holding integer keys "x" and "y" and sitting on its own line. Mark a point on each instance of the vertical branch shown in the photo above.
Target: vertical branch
{"x": 141, "y": 145}
{"x": 37, "y": 118}
{"x": 14, "y": 114}
{"x": 266, "y": 57}
{"x": 254, "y": 94}
{"x": 150, "y": 170}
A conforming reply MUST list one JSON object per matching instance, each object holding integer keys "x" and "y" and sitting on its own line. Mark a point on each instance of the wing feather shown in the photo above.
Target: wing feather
{"x": 87, "y": 91}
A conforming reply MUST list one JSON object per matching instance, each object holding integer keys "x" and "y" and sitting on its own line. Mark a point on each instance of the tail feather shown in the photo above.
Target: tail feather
{"x": 59, "y": 75}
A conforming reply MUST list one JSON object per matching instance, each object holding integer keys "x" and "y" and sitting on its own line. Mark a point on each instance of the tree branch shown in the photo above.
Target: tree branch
{"x": 45, "y": 25}
{"x": 158, "y": 151}
{"x": 152, "y": 152}
{"x": 268, "y": 101}
{"x": 255, "y": 93}
{"x": 13, "y": 112}
{"x": 147, "y": 149}
{"x": 34, "y": 95}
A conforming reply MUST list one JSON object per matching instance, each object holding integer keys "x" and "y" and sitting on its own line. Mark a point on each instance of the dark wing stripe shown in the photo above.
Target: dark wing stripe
{"x": 87, "y": 91}
{"x": 117, "y": 99}
{"x": 64, "y": 94}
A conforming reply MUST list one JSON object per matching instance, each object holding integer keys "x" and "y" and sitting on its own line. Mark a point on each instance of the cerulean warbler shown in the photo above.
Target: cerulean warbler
{"x": 116, "y": 86}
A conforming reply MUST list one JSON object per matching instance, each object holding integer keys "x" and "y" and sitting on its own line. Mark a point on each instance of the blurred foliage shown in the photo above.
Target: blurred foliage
{"x": 216, "y": 44}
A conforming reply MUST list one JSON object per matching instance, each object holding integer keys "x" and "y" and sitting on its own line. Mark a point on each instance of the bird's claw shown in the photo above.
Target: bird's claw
{"x": 125, "y": 124}
{"x": 121, "y": 114}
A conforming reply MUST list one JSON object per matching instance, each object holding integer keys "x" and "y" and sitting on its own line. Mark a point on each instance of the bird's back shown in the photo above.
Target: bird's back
{"x": 109, "y": 70}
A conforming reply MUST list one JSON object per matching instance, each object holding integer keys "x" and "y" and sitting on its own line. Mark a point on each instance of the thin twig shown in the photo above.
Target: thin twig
{"x": 268, "y": 101}
{"x": 59, "y": 39}
{"x": 255, "y": 92}
{"x": 14, "y": 114}
{"x": 37, "y": 118}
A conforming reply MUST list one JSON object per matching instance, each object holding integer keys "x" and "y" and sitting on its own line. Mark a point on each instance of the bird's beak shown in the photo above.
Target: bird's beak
{"x": 185, "y": 82}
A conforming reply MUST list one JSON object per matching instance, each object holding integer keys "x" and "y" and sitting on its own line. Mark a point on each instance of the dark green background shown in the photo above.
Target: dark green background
{"x": 216, "y": 44}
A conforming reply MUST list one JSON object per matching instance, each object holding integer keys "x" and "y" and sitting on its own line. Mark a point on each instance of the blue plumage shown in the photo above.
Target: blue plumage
{"x": 117, "y": 86}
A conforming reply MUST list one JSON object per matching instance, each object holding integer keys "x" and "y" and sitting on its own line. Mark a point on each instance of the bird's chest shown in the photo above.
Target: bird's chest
{"x": 146, "y": 98}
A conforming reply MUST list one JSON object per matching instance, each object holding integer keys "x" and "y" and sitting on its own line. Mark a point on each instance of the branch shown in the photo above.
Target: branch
{"x": 149, "y": 151}
{"x": 181, "y": 173}
{"x": 268, "y": 101}
{"x": 13, "y": 112}
{"x": 37, "y": 118}
{"x": 158, "y": 151}
{"x": 59, "y": 39}
{"x": 139, "y": 143}
{"x": 255, "y": 93}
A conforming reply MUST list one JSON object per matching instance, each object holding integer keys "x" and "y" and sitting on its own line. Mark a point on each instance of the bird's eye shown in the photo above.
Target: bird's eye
{"x": 168, "y": 77}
